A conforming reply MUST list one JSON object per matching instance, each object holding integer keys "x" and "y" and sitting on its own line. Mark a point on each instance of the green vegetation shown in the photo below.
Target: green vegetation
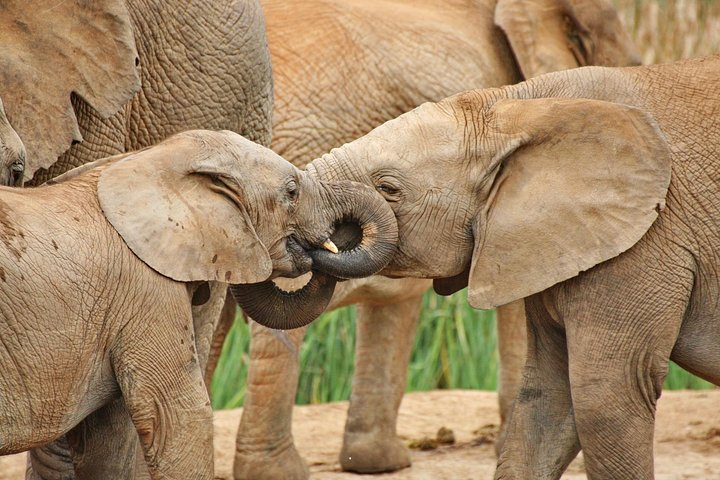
{"x": 454, "y": 348}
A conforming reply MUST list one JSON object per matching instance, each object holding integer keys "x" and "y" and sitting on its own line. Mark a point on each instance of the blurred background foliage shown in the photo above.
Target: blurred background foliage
{"x": 455, "y": 345}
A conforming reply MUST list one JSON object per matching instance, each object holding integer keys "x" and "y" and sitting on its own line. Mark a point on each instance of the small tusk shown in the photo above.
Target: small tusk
{"x": 329, "y": 245}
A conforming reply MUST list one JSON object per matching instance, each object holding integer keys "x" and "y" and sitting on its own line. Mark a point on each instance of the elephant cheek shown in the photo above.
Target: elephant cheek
{"x": 290, "y": 260}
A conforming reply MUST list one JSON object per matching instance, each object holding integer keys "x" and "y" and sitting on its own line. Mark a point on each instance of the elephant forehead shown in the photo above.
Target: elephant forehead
{"x": 231, "y": 153}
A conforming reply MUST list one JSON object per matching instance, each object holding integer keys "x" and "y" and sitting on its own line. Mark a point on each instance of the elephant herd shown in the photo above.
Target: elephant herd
{"x": 170, "y": 149}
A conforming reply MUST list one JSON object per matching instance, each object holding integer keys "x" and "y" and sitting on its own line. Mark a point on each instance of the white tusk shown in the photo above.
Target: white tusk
{"x": 329, "y": 245}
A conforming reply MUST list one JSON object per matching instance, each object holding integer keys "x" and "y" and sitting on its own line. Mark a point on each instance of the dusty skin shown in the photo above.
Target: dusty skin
{"x": 687, "y": 444}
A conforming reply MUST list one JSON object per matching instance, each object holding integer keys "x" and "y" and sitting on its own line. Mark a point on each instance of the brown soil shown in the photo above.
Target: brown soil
{"x": 687, "y": 444}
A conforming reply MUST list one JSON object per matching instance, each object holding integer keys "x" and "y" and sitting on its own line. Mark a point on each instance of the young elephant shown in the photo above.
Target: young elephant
{"x": 594, "y": 192}
{"x": 366, "y": 62}
{"x": 99, "y": 270}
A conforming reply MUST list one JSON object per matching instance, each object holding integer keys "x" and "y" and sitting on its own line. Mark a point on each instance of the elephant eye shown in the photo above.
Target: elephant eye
{"x": 388, "y": 183}
{"x": 292, "y": 190}
{"x": 388, "y": 190}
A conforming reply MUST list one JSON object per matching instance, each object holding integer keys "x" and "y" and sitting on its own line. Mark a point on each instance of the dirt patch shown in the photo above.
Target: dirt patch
{"x": 687, "y": 443}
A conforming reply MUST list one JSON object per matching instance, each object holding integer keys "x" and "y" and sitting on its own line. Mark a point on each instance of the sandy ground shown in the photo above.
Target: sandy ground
{"x": 687, "y": 444}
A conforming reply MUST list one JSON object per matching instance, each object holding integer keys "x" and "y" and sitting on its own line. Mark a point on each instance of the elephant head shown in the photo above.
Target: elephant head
{"x": 54, "y": 50}
{"x": 509, "y": 193}
{"x": 213, "y": 206}
{"x": 552, "y": 35}
{"x": 12, "y": 153}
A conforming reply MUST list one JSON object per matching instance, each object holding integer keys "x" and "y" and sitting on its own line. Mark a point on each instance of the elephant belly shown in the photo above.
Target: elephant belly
{"x": 697, "y": 348}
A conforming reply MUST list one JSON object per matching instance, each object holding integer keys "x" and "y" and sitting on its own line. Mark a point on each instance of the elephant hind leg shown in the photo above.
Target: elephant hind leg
{"x": 50, "y": 462}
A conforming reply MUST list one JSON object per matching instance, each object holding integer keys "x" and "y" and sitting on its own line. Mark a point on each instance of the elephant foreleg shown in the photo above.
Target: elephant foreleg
{"x": 541, "y": 437}
{"x": 384, "y": 342}
{"x": 619, "y": 357}
{"x": 105, "y": 443}
{"x": 161, "y": 381}
{"x": 512, "y": 346}
{"x": 265, "y": 448}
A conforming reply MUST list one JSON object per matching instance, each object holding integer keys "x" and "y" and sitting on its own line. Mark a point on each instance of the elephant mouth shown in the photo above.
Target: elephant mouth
{"x": 297, "y": 260}
{"x": 359, "y": 243}
{"x": 299, "y": 255}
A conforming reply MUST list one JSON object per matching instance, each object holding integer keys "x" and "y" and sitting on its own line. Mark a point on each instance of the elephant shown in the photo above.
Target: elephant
{"x": 83, "y": 80}
{"x": 98, "y": 302}
{"x": 369, "y": 62}
{"x": 591, "y": 193}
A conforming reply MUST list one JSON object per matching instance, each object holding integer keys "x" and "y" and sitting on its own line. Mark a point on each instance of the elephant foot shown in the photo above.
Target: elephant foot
{"x": 270, "y": 465}
{"x": 369, "y": 452}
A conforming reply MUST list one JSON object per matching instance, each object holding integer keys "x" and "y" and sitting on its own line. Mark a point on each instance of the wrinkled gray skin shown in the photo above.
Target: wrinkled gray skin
{"x": 559, "y": 185}
{"x": 131, "y": 73}
{"x": 107, "y": 307}
{"x": 340, "y": 69}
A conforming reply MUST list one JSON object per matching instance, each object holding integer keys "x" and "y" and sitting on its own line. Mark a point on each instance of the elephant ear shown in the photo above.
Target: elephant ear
{"x": 166, "y": 205}
{"x": 53, "y": 49}
{"x": 577, "y": 182}
{"x": 552, "y": 35}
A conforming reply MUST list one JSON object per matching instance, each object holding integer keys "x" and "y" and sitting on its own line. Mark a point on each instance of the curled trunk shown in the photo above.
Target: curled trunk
{"x": 273, "y": 307}
{"x": 350, "y": 207}
{"x": 362, "y": 206}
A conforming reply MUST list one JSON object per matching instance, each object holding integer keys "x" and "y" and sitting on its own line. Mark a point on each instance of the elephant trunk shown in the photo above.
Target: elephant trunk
{"x": 272, "y": 307}
{"x": 365, "y": 228}
{"x": 366, "y": 231}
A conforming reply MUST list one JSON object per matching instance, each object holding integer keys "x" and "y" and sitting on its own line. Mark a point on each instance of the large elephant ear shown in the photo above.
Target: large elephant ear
{"x": 168, "y": 209}
{"x": 577, "y": 182}
{"x": 552, "y": 35}
{"x": 52, "y": 49}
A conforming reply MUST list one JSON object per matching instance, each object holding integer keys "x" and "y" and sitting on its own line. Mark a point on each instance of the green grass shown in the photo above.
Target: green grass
{"x": 679, "y": 379}
{"x": 454, "y": 348}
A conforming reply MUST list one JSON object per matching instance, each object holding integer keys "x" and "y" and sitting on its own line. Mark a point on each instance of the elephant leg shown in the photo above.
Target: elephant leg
{"x": 225, "y": 323}
{"x": 97, "y": 447}
{"x": 50, "y": 462}
{"x": 100, "y": 445}
{"x": 385, "y": 336}
{"x": 541, "y": 437}
{"x": 619, "y": 358}
{"x": 265, "y": 448}
{"x": 104, "y": 444}
{"x": 162, "y": 383}
{"x": 209, "y": 316}
{"x": 206, "y": 318}
{"x": 512, "y": 345}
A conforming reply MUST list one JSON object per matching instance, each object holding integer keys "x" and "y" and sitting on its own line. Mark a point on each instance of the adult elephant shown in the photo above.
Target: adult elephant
{"x": 593, "y": 193}
{"x": 341, "y": 69}
{"x": 81, "y": 80}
